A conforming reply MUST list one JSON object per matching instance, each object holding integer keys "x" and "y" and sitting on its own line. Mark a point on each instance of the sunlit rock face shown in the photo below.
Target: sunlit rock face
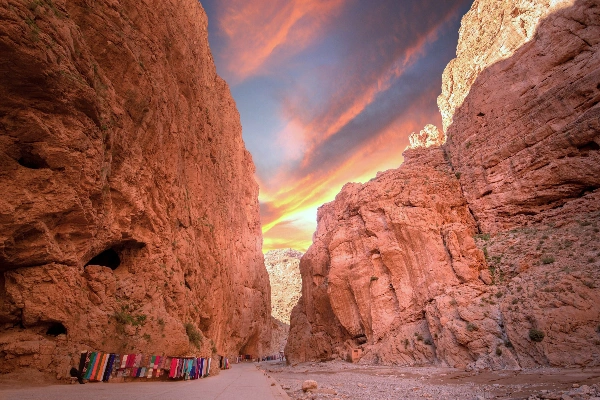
{"x": 381, "y": 253}
{"x": 286, "y": 285}
{"x": 427, "y": 137}
{"x": 482, "y": 253}
{"x": 286, "y": 282}
{"x": 129, "y": 208}
{"x": 492, "y": 30}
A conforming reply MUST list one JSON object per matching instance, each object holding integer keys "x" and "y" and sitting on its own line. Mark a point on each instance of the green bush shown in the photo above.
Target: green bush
{"x": 498, "y": 351}
{"x": 374, "y": 278}
{"x": 547, "y": 260}
{"x": 536, "y": 335}
{"x": 194, "y": 335}
{"x": 472, "y": 327}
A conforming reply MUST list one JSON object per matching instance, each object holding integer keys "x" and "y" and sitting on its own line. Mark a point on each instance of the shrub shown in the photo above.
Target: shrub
{"x": 536, "y": 335}
{"x": 428, "y": 341}
{"x": 457, "y": 174}
{"x": 374, "y": 278}
{"x": 193, "y": 334}
{"x": 508, "y": 344}
{"x": 515, "y": 300}
{"x": 498, "y": 351}
{"x": 499, "y": 294}
{"x": 472, "y": 327}
{"x": 483, "y": 236}
{"x": 547, "y": 260}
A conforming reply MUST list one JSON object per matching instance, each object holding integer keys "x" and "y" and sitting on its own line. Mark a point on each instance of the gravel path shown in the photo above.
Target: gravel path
{"x": 341, "y": 380}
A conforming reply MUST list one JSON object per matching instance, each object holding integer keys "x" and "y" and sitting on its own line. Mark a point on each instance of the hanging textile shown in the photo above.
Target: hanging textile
{"x": 173, "y": 369}
{"x": 91, "y": 365}
{"x": 109, "y": 368}
{"x": 123, "y": 361}
{"x": 83, "y": 365}
{"x": 97, "y": 367}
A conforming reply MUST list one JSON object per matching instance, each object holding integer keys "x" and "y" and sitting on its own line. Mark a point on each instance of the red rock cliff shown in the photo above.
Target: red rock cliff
{"x": 482, "y": 252}
{"x": 129, "y": 213}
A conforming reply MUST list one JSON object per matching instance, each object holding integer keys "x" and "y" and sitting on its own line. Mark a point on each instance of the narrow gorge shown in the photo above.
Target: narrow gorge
{"x": 130, "y": 220}
{"x": 482, "y": 249}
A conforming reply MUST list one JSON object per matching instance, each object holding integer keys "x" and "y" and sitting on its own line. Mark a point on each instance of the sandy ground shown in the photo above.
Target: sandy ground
{"x": 243, "y": 381}
{"x": 341, "y": 380}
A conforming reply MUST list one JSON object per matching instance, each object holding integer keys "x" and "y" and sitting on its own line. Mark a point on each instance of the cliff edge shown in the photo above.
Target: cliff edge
{"x": 129, "y": 219}
{"x": 481, "y": 252}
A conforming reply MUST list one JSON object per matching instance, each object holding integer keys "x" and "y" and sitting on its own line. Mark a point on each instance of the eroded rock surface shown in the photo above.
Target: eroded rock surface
{"x": 286, "y": 286}
{"x": 492, "y": 30}
{"x": 283, "y": 266}
{"x": 482, "y": 253}
{"x": 129, "y": 214}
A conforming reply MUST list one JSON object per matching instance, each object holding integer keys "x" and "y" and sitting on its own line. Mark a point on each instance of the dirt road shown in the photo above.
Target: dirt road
{"x": 242, "y": 381}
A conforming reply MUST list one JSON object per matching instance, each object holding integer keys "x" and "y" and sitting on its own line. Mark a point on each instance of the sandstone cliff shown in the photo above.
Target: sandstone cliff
{"x": 129, "y": 216}
{"x": 286, "y": 282}
{"x": 482, "y": 252}
{"x": 490, "y": 31}
{"x": 286, "y": 285}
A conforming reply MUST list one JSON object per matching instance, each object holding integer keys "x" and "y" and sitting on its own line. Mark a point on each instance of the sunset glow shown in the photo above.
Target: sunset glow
{"x": 328, "y": 92}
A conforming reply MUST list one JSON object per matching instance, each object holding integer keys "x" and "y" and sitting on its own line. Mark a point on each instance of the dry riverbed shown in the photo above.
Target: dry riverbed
{"x": 341, "y": 380}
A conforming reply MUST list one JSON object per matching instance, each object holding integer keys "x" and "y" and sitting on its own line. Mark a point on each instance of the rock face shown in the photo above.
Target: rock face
{"x": 429, "y": 136}
{"x": 492, "y": 30}
{"x": 129, "y": 213}
{"x": 286, "y": 286}
{"x": 286, "y": 282}
{"x": 481, "y": 253}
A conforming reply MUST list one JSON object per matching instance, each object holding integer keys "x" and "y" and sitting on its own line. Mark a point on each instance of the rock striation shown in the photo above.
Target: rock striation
{"x": 129, "y": 218}
{"x": 481, "y": 253}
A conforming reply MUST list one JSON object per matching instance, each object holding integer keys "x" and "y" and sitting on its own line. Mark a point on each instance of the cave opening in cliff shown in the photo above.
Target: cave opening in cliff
{"x": 56, "y": 329}
{"x": 590, "y": 146}
{"x": 121, "y": 254}
{"x": 108, "y": 258}
{"x": 32, "y": 161}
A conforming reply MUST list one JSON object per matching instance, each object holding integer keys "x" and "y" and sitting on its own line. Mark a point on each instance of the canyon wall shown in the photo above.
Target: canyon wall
{"x": 482, "y": 252}
{"x": 286, "y": 286}
{"x": 129, "y": 218}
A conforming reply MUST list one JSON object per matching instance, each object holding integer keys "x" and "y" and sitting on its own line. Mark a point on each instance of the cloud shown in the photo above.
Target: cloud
{"x": 256, "y": 30}
{"x": 346, "y": 81}
{"x": 298, "y": 200}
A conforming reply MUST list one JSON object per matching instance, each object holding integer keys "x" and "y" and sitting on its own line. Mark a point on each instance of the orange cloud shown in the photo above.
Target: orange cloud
{"x": 296, "y": 203}
{"x": 353, "y": 103}
{"x": 256, "y": 30}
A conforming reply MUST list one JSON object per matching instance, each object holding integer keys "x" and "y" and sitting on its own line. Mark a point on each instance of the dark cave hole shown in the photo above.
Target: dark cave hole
{"x": 586, "y": 190}
{"x": 590, "y": 146}
{"x": 108, "y": 258}
{"x": 56, "y": 329}
{"x": 32, "y": 161}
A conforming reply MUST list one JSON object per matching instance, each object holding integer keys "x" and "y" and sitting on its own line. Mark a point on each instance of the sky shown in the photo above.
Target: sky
{"x": 328, "y": 92}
